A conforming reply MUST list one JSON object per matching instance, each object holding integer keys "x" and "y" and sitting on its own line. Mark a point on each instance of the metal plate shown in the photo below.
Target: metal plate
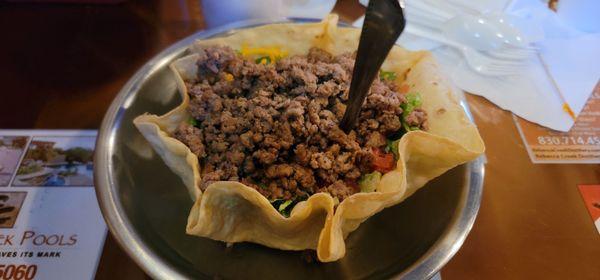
{"x": 146, "y": 206}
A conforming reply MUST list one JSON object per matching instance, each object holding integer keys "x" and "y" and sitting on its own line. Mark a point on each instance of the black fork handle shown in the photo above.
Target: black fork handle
{"x": 384, "y": 22}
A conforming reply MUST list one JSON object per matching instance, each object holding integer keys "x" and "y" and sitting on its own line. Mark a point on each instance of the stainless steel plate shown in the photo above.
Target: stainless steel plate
{"x": 146, "y": 206}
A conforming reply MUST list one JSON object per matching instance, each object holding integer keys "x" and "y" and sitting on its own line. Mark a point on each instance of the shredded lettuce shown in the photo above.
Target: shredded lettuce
{"x": 193, "y": 122}
{"x": 413, "y": 101}
{"x": 277, "y": 203}
{"x": 387, "y": 75}
{"x": 285, "y": 206}
{"x": 262, "y": 186}
{"x": 392, "y": 146}
{"x": 369, "y": 182}
{"x": 409, "y": 128}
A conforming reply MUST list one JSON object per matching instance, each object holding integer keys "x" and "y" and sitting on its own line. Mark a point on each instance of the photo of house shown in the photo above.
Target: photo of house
{"x": 57, "y": 161}
{"x": 11, "y": 150}
{"x": 10, "y": 205}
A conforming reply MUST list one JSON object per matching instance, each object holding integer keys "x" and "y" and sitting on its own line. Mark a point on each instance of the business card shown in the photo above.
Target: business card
{"x": 50, "y": 223}
{"x": 581, "y": 144}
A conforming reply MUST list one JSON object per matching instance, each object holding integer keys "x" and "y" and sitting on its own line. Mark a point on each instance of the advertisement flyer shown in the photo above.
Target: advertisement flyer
{"x": 580, "y": 145}
{"x": 591, "y": 198}
{"x": 50, "y": 223}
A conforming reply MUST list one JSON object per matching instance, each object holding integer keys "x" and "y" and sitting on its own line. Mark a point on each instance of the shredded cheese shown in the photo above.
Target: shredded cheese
{"x": 228, "y": 77}
{"x": 274, "y": 53}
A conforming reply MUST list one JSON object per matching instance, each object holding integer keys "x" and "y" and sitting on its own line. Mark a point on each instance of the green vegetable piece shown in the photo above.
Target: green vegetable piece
{"x": 284, "y": 205}
{"x": 284, "y": 208}
{"x": 409, "y": 128}
{"x": 263, "y": 60}
{"x": 387, "y": 75}
{"x": 262, "y": 186}
{"x": 193, "y": 122}
{"x": 413, "y": 101}
{"x": 276, "y": 201}
{"x": 369, "y": 182}
{"x": 392, "y": 146}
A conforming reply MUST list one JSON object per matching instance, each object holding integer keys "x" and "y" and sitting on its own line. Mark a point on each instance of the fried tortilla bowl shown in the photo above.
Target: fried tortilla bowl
{"x": 232, "y": 212}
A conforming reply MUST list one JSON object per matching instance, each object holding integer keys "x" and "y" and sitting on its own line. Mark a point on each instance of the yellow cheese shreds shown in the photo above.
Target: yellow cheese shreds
{"x": 274, "y": 53}
{"x": 228, "y": 77}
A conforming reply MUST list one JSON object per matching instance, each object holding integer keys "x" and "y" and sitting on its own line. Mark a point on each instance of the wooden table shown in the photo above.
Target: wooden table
{"x": 61, "y": 65}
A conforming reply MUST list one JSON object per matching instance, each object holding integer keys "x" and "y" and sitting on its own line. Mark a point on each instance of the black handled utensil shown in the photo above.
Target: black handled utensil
{"x": 384, "y": 22}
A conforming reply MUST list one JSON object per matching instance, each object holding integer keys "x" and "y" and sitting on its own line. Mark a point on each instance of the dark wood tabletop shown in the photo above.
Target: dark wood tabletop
{"x": 62, "y": 64}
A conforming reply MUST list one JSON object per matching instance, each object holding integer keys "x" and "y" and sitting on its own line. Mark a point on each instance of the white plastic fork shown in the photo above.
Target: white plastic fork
{"x": 513, "y": 53}
{"x": 502, "y": 62}
{"x": 427, "y": 19}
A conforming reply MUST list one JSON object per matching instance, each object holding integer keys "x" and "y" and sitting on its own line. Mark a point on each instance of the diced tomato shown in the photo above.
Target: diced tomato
{"x": 383, "y": 162}
{"x": 404, "y": 88}
{"x": 353, "y": 184}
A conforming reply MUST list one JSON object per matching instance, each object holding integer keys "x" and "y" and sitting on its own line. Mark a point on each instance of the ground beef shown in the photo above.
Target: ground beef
{"x": 274, "y": 126}
{"x": 193, "y": 138}
{"x": 417, "y": 118}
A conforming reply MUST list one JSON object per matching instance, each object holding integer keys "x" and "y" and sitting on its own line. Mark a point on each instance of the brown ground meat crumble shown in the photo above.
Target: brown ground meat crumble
{"x": 274, "y": 127}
